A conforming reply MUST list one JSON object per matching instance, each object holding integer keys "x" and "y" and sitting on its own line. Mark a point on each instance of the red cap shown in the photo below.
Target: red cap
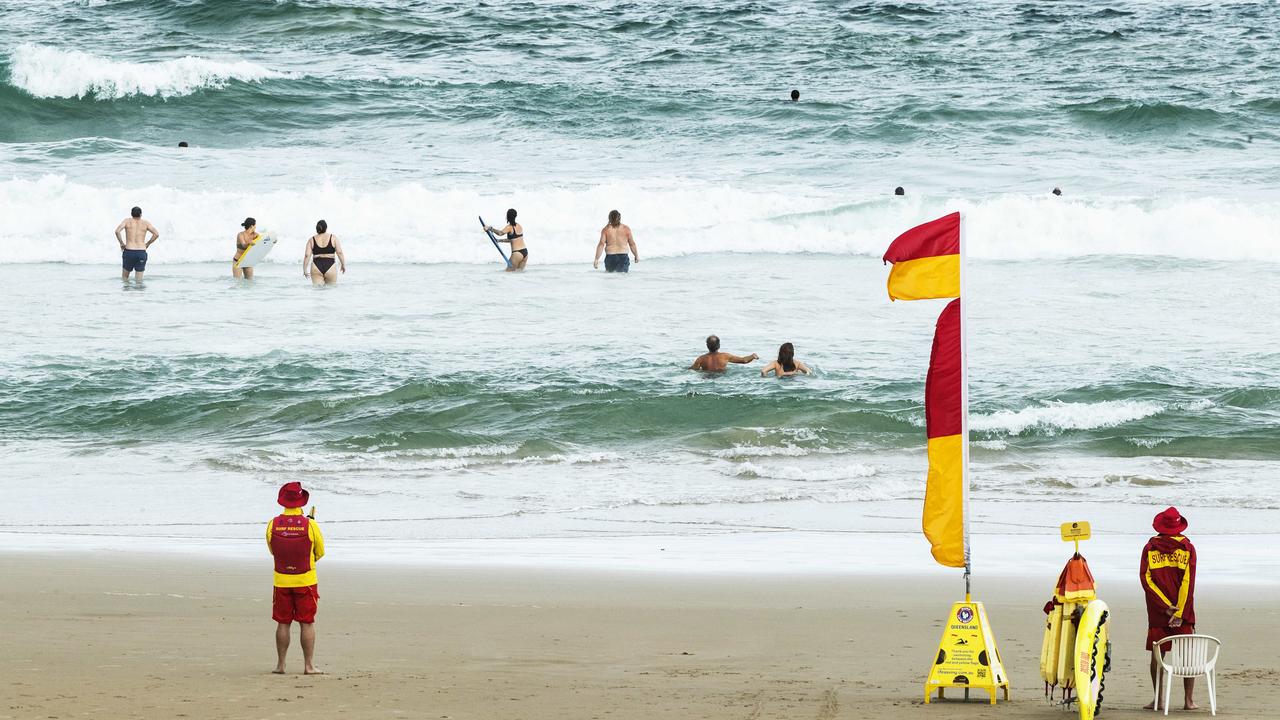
{"x": 292, "y": 495}
{"x": 1169, "y": 522}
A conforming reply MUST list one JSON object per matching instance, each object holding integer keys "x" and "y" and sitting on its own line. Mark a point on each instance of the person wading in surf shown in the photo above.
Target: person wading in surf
{"x": 786, "y": 365}
{"x": 715, "y": 361}
{"x": 1167, "y": 572}
{"x": 134, "y": 244}
{"x": 318, "y": 258}
{"x": 615, "y": 239}
{"x": 296, "y": 544}
{"x": 243, "y": 240}
{"x": 514, "y": 233}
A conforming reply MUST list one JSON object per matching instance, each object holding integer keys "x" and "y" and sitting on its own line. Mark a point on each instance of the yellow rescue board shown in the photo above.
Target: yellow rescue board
{"x": 1049, "y": 648}
{"x": 1092, "y": 658}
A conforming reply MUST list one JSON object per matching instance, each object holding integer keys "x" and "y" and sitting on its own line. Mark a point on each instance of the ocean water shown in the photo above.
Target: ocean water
{"x": 1123, "y": 335}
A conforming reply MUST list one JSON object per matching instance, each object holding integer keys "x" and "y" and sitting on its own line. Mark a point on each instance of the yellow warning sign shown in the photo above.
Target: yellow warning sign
{"x": 1078, "y": 530}
{"x": 967, "y": 655}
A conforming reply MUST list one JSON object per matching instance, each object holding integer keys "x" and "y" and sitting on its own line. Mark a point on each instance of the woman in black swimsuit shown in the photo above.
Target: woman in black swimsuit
{"x": 319, "y": 257}
{"x": 515, "y": 235}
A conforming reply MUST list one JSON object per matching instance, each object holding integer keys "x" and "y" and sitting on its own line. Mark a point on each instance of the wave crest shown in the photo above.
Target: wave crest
{"x": 47, "y": 72}
{"x": 1054, "y": 417}
{"x": 54, "y": 219}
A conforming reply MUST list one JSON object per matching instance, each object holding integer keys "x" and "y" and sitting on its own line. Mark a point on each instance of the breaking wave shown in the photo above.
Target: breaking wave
{"x": 47, "y": 72}
{"x": 56, "y": 219}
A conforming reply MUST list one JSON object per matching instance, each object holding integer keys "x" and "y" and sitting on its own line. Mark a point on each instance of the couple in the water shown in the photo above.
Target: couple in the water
{"x": 715, "y": 361}
{"x": 615, "y": 240}
{"x": 319, "y": 257}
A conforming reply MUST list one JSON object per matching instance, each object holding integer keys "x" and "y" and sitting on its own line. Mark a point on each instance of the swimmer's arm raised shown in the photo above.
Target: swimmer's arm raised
{"x": 743, "y": 359}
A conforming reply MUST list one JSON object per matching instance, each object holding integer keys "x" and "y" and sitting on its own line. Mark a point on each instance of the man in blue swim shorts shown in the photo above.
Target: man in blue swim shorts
{"x": 134, "y": 243}
{"x": 615, "y": 240}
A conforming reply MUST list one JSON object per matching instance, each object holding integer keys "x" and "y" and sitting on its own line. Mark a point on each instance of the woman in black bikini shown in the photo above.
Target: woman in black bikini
{"x": 319, "y": 257}
{"x": 514, "y": 232}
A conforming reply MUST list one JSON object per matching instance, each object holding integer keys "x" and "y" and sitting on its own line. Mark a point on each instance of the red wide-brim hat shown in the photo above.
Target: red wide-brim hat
{"x": 292, "y": 495}
{"x": 1169, "y": 522}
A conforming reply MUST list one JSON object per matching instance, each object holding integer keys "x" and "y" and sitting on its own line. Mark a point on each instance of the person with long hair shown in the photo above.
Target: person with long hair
{"x": 514, "y": 234}
{"x": 615, "y": 239}
{"x": 318, "y": 259}
{"x": 786, "y": 365}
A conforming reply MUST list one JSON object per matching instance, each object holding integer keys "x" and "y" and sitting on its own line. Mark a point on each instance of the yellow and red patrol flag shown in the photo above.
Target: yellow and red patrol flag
{"x": 926, "y": 261}
{"x": 926, "y": 264}
{"x": 943, "y": 520}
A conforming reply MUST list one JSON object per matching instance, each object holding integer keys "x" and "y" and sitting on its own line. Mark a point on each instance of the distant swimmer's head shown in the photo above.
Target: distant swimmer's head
{"x": 136, "y": 212}
{"x": 511, "y": 216}
{"x": 713, "y": 343}
{"x": 787, "y": 357}
{"x": 248, "y": 223}
{"x": 322, "y": 227}
{"x": 899, "y": 191}
{"x": 182, "y": 143}
{"x": 1057, "y": 191}
{"x": 795, "y": 95}
{"x": 615, "y": 218}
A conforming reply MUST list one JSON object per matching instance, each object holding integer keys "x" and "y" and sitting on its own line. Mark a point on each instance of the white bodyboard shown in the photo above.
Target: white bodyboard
{"x": 257, "y": 250}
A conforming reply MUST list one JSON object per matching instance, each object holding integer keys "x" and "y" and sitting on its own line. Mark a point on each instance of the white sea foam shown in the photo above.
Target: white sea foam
{"x": 1054, "y": 417}
{"x": 803, "y": 474}
{"x": 55, "y": 219}
{"x": 48, "y": 72}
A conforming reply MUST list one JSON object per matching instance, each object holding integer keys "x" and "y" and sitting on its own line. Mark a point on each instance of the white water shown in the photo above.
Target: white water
{"x": 47, "y": 72}
{"x": 56, "y": 219}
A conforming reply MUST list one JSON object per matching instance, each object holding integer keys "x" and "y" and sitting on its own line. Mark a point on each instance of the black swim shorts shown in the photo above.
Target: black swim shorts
{"x": 135, "y": 260}
{"x": 620, "y": 262}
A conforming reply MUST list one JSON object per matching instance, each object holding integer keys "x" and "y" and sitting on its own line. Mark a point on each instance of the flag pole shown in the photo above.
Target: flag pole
{"x": 964, "y": 405}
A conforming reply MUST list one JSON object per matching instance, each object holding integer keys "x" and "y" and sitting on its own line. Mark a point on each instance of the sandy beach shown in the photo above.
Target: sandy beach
{"x": 133, "y": 635}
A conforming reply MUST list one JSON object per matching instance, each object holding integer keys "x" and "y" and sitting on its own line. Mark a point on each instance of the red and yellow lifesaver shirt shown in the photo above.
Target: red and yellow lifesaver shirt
{"x": 1168, "y": 574}
{"x": 296, "y": 543}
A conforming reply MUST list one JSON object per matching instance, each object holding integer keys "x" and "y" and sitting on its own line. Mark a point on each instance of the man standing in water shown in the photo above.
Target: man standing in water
{"x": 1168, "y": 575}
{"x": 134, "y": 244}
{"x": 296, "y": 544}
{"x": 615, "y": 239}
{"x": 715, "y": 361}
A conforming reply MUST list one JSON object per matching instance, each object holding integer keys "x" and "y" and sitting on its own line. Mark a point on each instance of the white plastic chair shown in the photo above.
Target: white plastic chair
{"x": 1188, "y": 656}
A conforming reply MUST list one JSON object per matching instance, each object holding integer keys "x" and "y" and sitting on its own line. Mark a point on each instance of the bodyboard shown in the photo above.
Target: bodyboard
{"x": 1092, "y": 657}
{"x": 494, "y": 240}
{"x": 1049, "y": 648}
{"x": 257, "y": 250}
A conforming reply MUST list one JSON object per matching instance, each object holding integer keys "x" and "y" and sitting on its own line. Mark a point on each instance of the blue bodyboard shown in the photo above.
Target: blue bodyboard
{"x": 494, "y": 240}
